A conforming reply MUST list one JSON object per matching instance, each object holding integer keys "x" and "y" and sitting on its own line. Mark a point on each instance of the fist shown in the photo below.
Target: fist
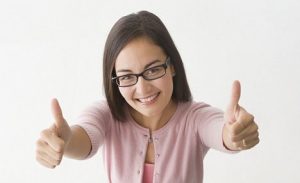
{"x": 54, "y": 140}
{"x": 240, "y": 132}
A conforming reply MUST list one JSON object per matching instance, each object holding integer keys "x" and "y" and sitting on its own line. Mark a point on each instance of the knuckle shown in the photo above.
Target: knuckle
{"x": 37, "y": 158}
{"x": 256, "y": 135}
{"x": 38, "y": 152}
{"x": 44, "y": 132}
{"x": 251, "y": 117}
{"x": 38, "y": 142}
{"x": 255, "y": 142}
{"x": 256, "y": 126}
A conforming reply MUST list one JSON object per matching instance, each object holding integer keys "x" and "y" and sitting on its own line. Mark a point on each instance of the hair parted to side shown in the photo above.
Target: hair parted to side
{"x": 127, "y": 28}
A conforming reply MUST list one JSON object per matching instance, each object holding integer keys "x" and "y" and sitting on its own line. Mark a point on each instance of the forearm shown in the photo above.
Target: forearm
{"x": 79, "y": 145}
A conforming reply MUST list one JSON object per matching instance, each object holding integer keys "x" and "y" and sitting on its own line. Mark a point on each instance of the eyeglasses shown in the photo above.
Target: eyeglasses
{"x": 149, "y": 74}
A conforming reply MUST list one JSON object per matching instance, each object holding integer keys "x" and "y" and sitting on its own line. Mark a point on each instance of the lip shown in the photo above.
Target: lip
{"x": 148, "y": 102}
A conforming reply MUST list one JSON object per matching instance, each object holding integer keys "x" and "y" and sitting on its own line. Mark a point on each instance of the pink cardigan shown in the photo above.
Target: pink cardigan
{"x": 180, "y": 145}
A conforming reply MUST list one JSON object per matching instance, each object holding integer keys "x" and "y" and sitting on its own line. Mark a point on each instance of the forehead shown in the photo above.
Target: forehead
{"x": 138, "y": 53}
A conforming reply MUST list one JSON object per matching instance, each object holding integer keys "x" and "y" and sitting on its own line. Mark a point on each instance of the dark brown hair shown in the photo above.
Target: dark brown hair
{"x": 127, "y": 28}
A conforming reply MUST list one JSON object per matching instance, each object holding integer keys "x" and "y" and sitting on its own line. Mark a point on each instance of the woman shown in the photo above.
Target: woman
{"x": 150, "y": 128}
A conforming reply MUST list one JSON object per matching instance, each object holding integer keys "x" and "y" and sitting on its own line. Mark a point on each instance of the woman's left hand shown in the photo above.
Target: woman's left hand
{"x": 240, "y": 132}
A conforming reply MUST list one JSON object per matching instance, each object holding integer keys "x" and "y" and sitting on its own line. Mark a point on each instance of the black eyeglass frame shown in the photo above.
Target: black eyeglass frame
{"x": 164, "y": 65}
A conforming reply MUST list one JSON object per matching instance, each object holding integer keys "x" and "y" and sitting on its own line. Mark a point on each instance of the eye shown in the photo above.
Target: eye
{"x": 153, "y": 70}
{"x": 126, "y": 77}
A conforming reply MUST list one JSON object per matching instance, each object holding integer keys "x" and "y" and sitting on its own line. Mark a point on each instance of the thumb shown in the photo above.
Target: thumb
{"x": 235, "y": 94}
{"x": 57, "y": 113}
{"x": 234, "y": 101}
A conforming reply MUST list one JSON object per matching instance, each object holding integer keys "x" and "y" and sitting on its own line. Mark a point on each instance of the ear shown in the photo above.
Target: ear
{"x": 173, "y": 70}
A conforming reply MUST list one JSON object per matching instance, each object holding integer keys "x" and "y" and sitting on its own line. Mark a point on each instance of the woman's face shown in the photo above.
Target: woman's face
{"x": 148, "y": 98}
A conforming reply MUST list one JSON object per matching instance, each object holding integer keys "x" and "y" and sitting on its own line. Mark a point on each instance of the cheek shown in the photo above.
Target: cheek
{"x": 166, "y": 84}
{"x": 125, "y": 92}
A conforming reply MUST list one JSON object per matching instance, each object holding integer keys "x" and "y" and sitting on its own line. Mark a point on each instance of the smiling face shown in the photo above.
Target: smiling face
{"x": 147, "y": 98}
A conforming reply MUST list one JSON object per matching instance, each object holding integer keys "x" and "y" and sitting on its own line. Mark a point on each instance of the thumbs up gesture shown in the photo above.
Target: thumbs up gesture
{"x": 240, "y": 132}
{"x": 54, "y": 140}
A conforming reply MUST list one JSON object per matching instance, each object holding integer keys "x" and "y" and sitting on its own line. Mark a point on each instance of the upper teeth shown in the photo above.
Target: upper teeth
{"x": 148, "y": 98}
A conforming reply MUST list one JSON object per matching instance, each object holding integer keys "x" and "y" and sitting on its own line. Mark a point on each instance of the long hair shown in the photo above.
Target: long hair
{"x": 127, "y": 28}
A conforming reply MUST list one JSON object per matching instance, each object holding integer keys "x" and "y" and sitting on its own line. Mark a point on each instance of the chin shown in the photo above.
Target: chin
{"x": 149, "y": 111}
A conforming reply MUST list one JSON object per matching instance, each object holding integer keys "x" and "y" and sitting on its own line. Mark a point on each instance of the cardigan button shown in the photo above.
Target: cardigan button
{"x": 138, "y": 171}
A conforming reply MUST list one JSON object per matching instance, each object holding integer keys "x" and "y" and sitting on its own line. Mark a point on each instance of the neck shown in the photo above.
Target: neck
{"x": 157, "y": 121}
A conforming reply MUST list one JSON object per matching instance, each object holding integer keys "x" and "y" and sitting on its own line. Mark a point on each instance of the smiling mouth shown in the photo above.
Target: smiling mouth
{"x": 149, "y": 100}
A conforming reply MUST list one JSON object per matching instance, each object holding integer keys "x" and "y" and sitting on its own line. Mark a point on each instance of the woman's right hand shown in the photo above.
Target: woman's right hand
{"x": 53, "y": 141}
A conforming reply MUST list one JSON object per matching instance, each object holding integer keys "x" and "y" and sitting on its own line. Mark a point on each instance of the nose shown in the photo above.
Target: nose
{"x": 142, "y": 86}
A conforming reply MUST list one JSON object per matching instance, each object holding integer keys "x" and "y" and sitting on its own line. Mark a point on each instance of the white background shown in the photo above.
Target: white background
{"x": 54, "y": 49}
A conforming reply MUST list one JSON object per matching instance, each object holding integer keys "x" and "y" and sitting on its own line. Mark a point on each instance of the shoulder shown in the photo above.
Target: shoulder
{"x": 199, "y": 110}
{"x": 97, "y": 110}
{"x": 100, "y": 105}
{"x": 194, "y": 106}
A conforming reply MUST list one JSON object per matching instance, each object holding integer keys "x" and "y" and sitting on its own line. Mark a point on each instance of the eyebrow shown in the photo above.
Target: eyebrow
{"x": 146, "y": 66}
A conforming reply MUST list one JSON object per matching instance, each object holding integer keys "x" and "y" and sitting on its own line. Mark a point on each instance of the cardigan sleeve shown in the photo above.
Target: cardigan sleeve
{"x": 209, "y": 123}
{"x": 95, "y": 120}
